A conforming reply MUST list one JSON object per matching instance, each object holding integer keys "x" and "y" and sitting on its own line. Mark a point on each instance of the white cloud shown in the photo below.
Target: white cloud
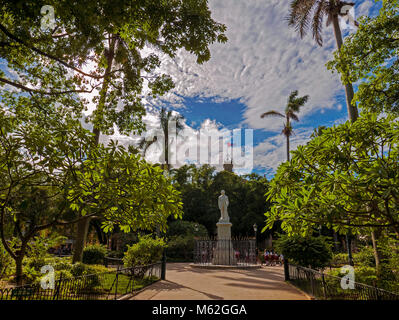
{"x": 263, "y": 61}
{"x": 271, "y": 152}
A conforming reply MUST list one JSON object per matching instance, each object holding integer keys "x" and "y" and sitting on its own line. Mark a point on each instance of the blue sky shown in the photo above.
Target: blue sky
{"x": 254, "y": 72}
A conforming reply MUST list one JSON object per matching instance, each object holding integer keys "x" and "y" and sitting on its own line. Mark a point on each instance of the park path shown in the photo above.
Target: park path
{"x": 186, "y": 283}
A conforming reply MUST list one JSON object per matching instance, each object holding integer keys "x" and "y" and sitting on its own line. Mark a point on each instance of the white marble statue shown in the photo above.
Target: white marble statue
{"x": 223, "y": 202}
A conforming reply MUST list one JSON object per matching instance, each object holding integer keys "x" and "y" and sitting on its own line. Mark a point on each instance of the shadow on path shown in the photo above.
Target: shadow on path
{"x": 166, "y": 285}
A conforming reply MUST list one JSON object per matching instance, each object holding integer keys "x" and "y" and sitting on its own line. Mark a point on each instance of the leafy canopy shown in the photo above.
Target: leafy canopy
{"x": 97, "y": 47}
{"x": 371, "y": 56}
{"x": 346, "y": 177}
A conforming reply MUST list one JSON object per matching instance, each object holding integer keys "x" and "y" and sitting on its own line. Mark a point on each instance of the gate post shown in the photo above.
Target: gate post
{"x": 286, "y": 270}
{"x": 163, "y": 268}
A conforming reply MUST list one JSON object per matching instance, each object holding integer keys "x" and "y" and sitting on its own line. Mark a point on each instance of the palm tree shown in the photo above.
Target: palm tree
{"x": 293, "y": 106}
{"x": 166, "y": 117}
{"x": 309, "y": 14}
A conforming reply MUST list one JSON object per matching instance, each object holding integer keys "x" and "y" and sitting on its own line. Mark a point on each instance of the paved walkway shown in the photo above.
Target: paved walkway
{"x": 187, "y": 283}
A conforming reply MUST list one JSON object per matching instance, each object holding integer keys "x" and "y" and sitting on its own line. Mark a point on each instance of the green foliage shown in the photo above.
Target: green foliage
{"x": 345, "y": 178}
{"x": 370, "y": 56}
{"x": 92, "y": 274}
{"x": 144, "y": 252}
{"x": 186, "y": 228}
{"x": 200, "y": 188}
{"x": 94, "y": 254}
{"x": 180, "y": 248}
{"x": 339, "y": 259}
{"x": 109, "y": 35}
{"x": 126, "y": 190}
{"x": 40, "y": 244}
{"x": 37, "y": 256}
{"x": 54, "y": 172}
{"x": 5, "y": 261}
{"x": 48, "y": 155}
{"x": 364, "y": 257}
{"x": 313, "y": 252}
{"x": 181, "y": 239}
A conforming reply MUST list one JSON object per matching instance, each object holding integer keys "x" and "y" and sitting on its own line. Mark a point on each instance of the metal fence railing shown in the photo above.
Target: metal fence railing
{"x": 113, "y": 262}
{"x": 99, "y": 286}
{"x": 233, "y": 252}
{"x": 328, "y": 287}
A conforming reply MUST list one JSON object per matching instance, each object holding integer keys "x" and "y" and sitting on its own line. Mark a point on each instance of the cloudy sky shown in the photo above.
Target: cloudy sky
{"x": 254, "y": 72}
{"x": 263, "y": 61}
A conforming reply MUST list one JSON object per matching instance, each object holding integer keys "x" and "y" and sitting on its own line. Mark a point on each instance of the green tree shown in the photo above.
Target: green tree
{"x": 310, "y": 14}
{"x": 38, "y": 157}
{"x": 200, "y": 188}
{"x": 293, "y": 106}
{"x": 51, "y": 165}
{"x": 110, "y": 36}
{"x": 371, "y": 56}
{"x": 345, "y": 178}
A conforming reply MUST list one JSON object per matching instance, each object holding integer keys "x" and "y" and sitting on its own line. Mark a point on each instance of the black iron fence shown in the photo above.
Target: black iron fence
{"x": 227, "y": 252}
{"x": 113, "y": 262}
{"x": 100, "y": 286}
{"x": 328, "y": 287}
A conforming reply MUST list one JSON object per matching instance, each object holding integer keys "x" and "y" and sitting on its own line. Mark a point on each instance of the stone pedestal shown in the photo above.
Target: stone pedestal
{"x": 224, "y": 253}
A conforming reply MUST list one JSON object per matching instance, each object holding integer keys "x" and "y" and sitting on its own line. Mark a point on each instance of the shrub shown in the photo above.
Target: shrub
{"x": 62, "y": 266}
{"x": 94, "y": 254}
{"x": 80, "y": 269}
{"x": 144, "y": 252}
{"x": 63, "y": 274}
{"x": 313, "y": 252}
{"x": 180, "y": 248}
{"x": 339, "y": 259}
{"x": 364, "y": 257}
{"x": 5, "y": 261}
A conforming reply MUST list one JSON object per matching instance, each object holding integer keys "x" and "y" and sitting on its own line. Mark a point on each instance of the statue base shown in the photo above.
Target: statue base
{"x": 224, "y": 252}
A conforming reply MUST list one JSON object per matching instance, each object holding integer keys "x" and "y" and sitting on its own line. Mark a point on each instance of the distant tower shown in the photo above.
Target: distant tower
{"x": 228, "y": 162}
{"x": 228, "y": 166}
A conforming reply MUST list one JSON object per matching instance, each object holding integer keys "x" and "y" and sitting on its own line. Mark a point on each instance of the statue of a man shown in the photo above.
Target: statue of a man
{"x": 223, "y": 202}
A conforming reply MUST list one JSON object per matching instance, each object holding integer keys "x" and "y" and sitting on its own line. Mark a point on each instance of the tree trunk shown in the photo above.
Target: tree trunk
{"x": 83, "y": 225}
{"x": 80, "y": 241}
{"x": 102, "y": 238}
{"x": 351, "y": 106}
{"x": 18, "y": 269}
{"x": 336, "y": 246}
{"x": 166, "y": 147}
{"x": 288, "y": 137}
{"x": 19, "y": 257}
{"x": 349, "y": 248}
{"x": 377, "y": 255}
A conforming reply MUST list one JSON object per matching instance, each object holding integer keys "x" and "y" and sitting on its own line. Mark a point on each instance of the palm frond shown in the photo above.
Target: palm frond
{"x": 294, "y": 103}
{"x": 272, "y": 114}
{"x": 299, "y": 17}
{"x": 144, "y": 144}
{"x": 292, "y": 116}
{"x": 317, "y": 26}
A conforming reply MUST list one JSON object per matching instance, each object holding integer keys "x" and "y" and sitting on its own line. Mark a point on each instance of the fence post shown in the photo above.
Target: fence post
{"x": 163, "y": 268}
{"x": 116, "y": 284}
{"x": 286, "y": 271}
{"x": 324, "y": 286}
